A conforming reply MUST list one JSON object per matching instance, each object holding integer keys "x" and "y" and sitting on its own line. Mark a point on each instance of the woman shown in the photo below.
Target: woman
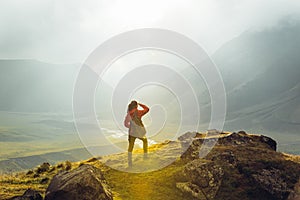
{"x": 133, "y": 121}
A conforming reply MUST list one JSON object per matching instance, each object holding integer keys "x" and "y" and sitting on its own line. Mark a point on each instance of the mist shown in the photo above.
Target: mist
{"x": 68, "y": 31}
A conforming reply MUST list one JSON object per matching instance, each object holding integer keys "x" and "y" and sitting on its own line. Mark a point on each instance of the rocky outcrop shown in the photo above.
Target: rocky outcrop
{"x": 269, "y": 141}
{"x": 191, "y": 142}
{"x": 85, "y": 182}
{"x": 242, "y": 138}
{"x": 240, "y": 166}
{"x": 272, "y": 181}
{"x": 204, "y": 179}
{"x": 29, "y": 195}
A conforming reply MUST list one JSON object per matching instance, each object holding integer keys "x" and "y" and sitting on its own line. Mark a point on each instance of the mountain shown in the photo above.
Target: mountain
{"x": 34, "y": 86}
{"x": 261, "y": 75}
{"x": 260, "y": 70}
{"x": 240, "y": 166}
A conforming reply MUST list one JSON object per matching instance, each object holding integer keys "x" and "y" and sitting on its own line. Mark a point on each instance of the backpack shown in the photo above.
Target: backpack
{"x": 137, "y": 128}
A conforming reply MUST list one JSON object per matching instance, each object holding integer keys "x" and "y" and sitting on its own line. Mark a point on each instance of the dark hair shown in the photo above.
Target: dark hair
{"x": 133, "y": 104}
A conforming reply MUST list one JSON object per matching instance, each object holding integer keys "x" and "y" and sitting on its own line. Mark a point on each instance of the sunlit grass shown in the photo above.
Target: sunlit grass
{"x": 125, "y": 185}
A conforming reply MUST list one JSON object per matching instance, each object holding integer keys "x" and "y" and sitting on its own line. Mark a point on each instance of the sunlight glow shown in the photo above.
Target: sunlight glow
{"x": 137, "y": 12}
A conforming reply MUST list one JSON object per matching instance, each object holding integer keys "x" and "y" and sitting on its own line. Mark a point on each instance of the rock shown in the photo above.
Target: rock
{"x": 94, "y": 159}
{"x": 68, "y": 165}
{"x": 29, "y": 195}
{"x": 192, "y": 189}
{"x": 235, "y": 139}
{"x": 295, "y": 194}
{"x": 269, "y": 141}
{"x": 243, "y": 133}
{"x": 36, "y": 175}
{"x": 191, "y": 149}
{"x": 29, "y": 172}
{"x": 206, "y": 175}
{"x": 187, "y": 136}
{"x": 44, "y": 180}
{"x": 192, "y": 146}
{"x": 227, "y": 156}
{"x": 213, "y": 132}
{"x": 85, "y": 182}
{"x": 43, "y": 168}
{"x": 271, "y": 181}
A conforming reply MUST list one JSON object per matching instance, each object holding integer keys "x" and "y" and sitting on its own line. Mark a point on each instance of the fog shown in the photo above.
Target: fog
{"x": 68, "y": 31}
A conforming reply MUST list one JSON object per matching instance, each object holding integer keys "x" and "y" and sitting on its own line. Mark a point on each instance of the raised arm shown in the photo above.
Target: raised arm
{"x": 145, "y": 109}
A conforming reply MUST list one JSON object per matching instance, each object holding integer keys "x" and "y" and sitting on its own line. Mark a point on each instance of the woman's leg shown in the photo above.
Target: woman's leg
{"x": 131, "y": 141}
{"x": 145, "y": 147}
{"x": 145, "y": 144}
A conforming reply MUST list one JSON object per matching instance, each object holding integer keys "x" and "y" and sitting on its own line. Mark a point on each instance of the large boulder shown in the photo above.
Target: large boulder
{"x": 268, "y": 178}
{"x": 29, "y": 195}
{"x": 205, "y": 178}
{"x": 85, "y": 182}
{"x": 272, "y": 181}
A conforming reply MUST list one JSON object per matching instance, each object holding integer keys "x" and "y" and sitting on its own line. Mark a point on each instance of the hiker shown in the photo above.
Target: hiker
{"x": 133, "y": 121}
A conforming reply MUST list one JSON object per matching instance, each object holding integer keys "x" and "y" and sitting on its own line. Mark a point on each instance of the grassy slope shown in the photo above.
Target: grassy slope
{"x": 124, "y": 185}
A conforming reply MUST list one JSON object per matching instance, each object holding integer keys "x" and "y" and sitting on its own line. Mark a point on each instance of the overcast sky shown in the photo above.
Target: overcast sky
{"x": 61, "y": 31}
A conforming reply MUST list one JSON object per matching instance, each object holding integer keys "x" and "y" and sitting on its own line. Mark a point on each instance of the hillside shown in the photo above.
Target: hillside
{"x": 27, "y": 162}
{"x": 261, "y": 75}
{"x": 240, "y": 166}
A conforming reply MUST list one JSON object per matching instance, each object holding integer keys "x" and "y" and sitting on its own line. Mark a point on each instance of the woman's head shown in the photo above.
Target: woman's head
{"x": 133, "y": 104}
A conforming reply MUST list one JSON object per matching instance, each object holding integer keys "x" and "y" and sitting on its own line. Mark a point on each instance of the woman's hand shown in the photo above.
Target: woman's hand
{"x": 145, "y": 108}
